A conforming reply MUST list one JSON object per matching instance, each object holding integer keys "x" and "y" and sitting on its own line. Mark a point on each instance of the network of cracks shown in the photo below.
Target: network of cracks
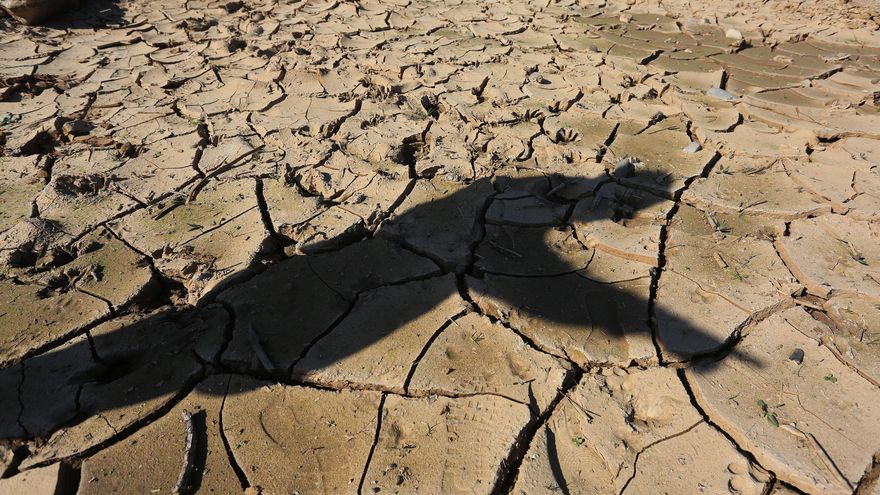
{"x": 438, "y": 247}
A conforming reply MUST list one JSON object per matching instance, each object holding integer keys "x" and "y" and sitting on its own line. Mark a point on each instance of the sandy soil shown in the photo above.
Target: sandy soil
{"x": 441, "y": 247}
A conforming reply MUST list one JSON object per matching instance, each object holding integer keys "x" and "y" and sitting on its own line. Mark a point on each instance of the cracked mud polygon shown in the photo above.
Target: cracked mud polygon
{"x": 441, "y": 247}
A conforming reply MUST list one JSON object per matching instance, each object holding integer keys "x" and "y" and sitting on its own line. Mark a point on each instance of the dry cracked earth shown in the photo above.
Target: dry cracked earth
{"x": 441, "y": 247}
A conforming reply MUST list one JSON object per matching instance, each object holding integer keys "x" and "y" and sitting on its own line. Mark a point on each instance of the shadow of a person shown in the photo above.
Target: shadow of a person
{"x": 512, "y": 250}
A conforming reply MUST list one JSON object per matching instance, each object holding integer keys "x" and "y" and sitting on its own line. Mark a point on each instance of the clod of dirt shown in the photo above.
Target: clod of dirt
{"x": 75, "y": 128}
{"x": 625, "y": 168}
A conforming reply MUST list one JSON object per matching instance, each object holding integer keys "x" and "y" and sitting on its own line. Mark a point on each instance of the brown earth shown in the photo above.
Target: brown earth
{"x": 441, "y": 247}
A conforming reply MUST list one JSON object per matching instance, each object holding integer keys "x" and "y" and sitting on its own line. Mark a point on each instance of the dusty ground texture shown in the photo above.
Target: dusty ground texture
{"x": 441, "y": 247}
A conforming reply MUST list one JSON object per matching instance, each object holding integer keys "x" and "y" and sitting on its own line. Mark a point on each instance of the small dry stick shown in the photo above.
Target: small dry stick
{"x": 188, "y": 455}
{"x": 808, "y": 304}
{"x": 506, "y": 250}
{"x": 259, "y": 350}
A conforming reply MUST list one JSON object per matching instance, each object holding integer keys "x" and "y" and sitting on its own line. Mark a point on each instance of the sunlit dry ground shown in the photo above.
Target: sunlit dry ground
{"x": 441, "y": 247}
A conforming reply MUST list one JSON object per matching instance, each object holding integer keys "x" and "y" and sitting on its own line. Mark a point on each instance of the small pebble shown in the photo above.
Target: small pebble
{"x": 692, "y": 148}
{"x": 76, "y": 128}
{"x": 721, "y": 94}
{"x": 733, "y": 34}
{"x": 625, "y": 168}
{"x": 536, "y": 77}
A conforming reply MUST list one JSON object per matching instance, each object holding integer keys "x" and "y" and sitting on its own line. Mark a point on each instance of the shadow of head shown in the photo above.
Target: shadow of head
{"x": 537, "y": 255}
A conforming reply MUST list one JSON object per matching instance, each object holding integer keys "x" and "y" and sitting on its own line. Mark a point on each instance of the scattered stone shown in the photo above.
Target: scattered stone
{"x": 692, "y": 148}
{"x": 76, "y": 128}
{"x": 626, "y": 168}
{"x": 664, "y": 168}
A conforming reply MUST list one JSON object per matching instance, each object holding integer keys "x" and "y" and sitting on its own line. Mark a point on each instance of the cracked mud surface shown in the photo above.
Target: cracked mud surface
{"x": 441, "y": 247}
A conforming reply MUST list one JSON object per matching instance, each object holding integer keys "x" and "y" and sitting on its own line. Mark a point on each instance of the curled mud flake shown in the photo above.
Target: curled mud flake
{"x": 188, "y": 455}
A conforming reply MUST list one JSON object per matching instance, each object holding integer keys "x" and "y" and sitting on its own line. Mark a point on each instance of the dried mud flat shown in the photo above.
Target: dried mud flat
{"x": 441, "y": 247}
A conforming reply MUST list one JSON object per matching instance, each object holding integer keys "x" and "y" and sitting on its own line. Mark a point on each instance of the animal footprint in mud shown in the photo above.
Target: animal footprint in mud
{"x": 531, "y": 113}
{"x": 567, "y": 136}
{"x": 327, "y": 129}
{"x": 558, "y": 107}
{"x": 743, "y": 480}
{"x": 235, "y": 44}
{"x": 379, "y": 86}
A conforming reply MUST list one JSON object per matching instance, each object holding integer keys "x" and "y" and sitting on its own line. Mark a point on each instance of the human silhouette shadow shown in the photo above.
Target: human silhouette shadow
{"x": 310, "y": 318}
